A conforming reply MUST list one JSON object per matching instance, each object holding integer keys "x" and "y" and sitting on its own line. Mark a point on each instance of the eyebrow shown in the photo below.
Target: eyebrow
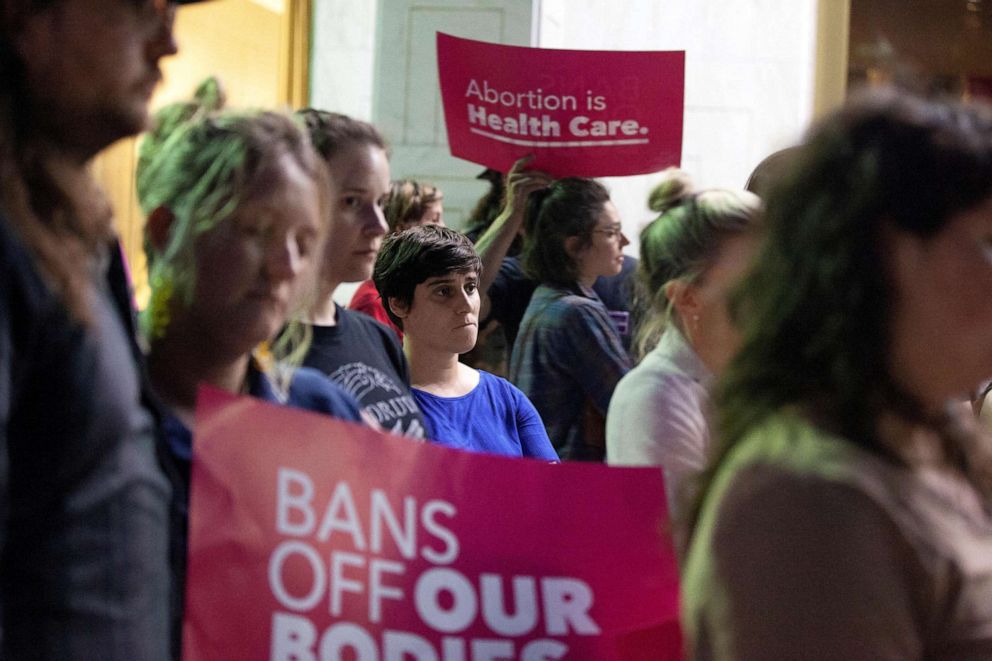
{"x": 448, "y": 278}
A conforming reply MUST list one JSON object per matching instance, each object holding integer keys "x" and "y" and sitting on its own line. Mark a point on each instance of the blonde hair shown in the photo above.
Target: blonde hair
{"x": 201, "y": 173}
{"x": 408, "y": 201}
{"x": 681, "y": 244}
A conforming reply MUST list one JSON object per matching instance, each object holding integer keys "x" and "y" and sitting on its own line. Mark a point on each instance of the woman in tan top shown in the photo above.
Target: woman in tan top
{"x": 847, "y": 513}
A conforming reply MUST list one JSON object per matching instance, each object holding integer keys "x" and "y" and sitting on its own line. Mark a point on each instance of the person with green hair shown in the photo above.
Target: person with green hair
{"x": 847, "y": 509}
{"x": 692, "y": 255}
{"x": 236, "y": 214}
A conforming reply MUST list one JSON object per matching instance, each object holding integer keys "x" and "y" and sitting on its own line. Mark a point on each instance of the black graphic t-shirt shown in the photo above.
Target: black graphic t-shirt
{"x": 363, "y": 357}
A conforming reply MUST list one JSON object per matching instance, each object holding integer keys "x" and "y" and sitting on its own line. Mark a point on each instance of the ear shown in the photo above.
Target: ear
{"x": 158, "y": 227}
{"x": 573, "y": 247}
{"x": 684, "y": 297}
{"x": 398, "y": 307}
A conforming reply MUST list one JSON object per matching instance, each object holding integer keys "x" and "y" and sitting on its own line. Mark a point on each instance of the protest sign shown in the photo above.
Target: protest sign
{"x": 581, "y": 113}
{"x": 312, "y": 538}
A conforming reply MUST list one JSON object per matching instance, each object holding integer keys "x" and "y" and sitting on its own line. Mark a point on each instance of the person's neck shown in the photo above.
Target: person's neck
{"x": 587, "y": 281}
{"x": 67, "y": 154}
{"x": 325, "y": 312}
{"x": 436, "y": 372}
{"x": 179, "y": 363}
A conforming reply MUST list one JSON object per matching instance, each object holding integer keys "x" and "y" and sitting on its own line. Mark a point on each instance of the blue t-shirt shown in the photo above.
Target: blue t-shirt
{"x": 308, "y": 390}
{"x": 494, "y": 417}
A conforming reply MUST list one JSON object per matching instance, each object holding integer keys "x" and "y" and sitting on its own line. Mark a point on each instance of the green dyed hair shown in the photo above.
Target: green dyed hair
{"x": 208, "y": 98}
{"x": 815, "y": 309}
{"x": 682, "y": 243}
{"x": 201, "y": 173}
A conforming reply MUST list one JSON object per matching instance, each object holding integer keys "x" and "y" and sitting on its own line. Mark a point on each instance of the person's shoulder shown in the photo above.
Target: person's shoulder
{"x": 312, "y": 390}
{"x": 578, "y": 311}
{"x": 25, "y": 295}
{"x": 657, "y": 373}
{"x": 658, "y": 403}
{"x": 16, "y": 262}
{"x": 503, "y": 389}
{"x": 493, "y": 381}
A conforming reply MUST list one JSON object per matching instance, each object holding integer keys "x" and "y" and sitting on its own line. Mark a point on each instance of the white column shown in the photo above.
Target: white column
{"x": 343, "y": 56}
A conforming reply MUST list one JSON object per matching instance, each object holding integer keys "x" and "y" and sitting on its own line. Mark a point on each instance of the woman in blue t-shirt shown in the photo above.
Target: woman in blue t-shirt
{"x": 428, "y": 277}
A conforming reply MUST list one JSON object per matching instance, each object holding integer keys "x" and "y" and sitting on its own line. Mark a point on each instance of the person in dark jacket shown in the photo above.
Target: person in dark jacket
{"x": 84, "y": 568}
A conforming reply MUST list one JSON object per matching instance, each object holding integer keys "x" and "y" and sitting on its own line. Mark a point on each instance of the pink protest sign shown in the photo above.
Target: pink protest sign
{"x": 312, "y": 538}
{"x": 581, "y": 113}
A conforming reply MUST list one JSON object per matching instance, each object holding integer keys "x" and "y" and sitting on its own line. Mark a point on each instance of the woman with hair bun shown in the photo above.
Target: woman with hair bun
{"x": 568, "y": 356}
{"x": 692, "y": 255}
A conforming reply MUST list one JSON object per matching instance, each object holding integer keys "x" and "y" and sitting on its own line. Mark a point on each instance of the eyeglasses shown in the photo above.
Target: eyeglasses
{"x": 614, "y": 232}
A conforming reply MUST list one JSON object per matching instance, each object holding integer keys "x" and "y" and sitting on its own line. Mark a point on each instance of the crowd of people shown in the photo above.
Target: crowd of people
{"x": 804, "y": 363}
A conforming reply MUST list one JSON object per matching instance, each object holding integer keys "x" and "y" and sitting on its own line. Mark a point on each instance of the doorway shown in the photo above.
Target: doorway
{"x": 260, "y": 51}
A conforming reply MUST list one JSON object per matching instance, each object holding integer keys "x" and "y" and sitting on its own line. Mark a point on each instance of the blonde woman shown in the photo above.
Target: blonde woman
{"x": 236, "y": 215}
{"x": 692, "y": 255}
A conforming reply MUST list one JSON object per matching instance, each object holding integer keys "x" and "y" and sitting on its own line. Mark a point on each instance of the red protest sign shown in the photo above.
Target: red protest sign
{"x": 312, "y": 538}
{"x": 581, "y": 113}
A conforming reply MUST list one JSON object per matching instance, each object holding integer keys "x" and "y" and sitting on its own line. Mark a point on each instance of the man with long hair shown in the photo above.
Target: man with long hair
{"x": 84, "y": 567}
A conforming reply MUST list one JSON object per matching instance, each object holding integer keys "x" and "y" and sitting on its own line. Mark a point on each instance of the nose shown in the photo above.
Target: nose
{"x": 624, "y": 241}
{"x": 283, "y": 260}
{"x": 375, "y": 222}
{"x": 465, "y": 302}
{"x": 163, "y": 39}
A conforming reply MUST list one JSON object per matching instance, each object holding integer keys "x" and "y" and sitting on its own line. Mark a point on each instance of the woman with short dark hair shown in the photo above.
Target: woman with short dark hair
{"x": 429, "y": 276}
{"x": 568, "y": 356}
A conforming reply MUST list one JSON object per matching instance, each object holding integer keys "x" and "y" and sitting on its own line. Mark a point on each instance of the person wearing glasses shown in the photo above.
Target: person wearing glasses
{"x": 84, "y": 570}
{"x": 692, "y": 255}
{"x": 568, "y": 356}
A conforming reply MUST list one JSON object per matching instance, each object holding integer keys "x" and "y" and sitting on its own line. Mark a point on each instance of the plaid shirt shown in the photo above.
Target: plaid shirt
{"x": 568, "y": 359}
